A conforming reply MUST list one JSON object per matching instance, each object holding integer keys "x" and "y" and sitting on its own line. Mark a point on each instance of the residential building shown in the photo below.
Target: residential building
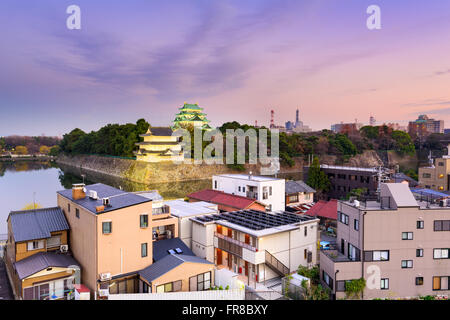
{"x": 159, "y": 145}
{"x": 112, "y": 233}
{"x": 184, "y": 211}
{"x": 424, "y": 126}
{"x": 226, "y": 201}
{"x": 175, "y": 268}
{"x": 38, "y": 261}
{"x": 436, "y": 175}
{"x": 298, "y": 192}
{"x": 266, "y": 190}
{"x": 397, "y": 243}
{"x": 346, "y": 127}
{"x": 191, "y": 114}
{"x": 344, "y": 179}
{"x": 326, "y": 211}
{"x": 257, "y": 245}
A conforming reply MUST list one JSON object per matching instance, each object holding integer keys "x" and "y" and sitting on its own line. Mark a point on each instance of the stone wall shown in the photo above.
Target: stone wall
{"x": 148, "y": 173}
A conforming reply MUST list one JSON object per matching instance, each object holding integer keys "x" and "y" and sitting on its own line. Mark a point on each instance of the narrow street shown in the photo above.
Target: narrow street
{"x": 5, "y": 288}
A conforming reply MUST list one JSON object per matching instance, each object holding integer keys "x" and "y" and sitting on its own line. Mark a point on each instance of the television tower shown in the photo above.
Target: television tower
{"x": 272, "y": 122}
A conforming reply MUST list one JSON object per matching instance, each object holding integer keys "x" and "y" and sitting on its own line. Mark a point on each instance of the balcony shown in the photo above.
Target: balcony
{"x": 235, "y": 242}
{"x": 165, "y": 209}
{"x": 252, "y": 195}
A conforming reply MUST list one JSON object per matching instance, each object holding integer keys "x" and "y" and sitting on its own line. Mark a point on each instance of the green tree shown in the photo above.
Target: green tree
{"x": 21, "y": 150}
{"x": 32, "y": 206}
{"x": 403, "y": 143}
{"x": 54, "y": 151}
{"x": 317, "y": 178}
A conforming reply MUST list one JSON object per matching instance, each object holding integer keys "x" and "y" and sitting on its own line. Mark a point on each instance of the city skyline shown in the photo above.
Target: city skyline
{"x": 238, "y": 60}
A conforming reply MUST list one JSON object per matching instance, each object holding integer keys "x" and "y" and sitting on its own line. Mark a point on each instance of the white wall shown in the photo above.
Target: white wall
{"x": 231, "y": 185}
{"x": 231, "y": 294}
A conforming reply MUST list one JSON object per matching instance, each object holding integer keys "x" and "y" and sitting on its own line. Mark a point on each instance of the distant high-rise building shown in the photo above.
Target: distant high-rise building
{"x": 346, "y": 127}
{"x": 424, "y": 126}
{"x": 372, "y": 121}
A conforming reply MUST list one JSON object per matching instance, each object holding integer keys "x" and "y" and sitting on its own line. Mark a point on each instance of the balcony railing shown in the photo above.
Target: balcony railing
{"x": 237, "y": 242}
{"x": 162, "y": 210}
{"x": 252, "y": 195}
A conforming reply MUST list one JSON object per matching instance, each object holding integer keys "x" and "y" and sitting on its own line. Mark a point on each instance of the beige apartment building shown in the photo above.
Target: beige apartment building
{"x": 398, "y": 244}
{"x": 256, "y": 245}
{"x": 436, "y": 176}
{"x": 112, "y": 234}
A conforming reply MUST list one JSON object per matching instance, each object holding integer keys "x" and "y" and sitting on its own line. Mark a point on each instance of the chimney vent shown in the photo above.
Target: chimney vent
{"x": 78, "y": 191}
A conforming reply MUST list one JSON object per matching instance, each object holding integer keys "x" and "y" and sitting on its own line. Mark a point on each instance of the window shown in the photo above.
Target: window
{"x": 243, "y": 189}
{"x": 68, "y": 207}
{"x": 441, "y": 283}
{"x": 215, "y": 184}
{"x": 327, "y": 279}
{"x": 143, "y": 250}
{"x": 77, "y": 213}
{"x": 419, "y": 281}
{"x": 239, "y": 189}
{"x": 407, "y": 235}
{"x": 426, "y": 175}
{"x": 380, "y": 255}
{"x": 54, "y": 241}
{"x": 407, "y": 264}
{"x": 169, "y": 287}
{"x": 305, "y": 253}
{"x": 440, "y": 253}
{"x": 270, "y": 191}
{"x": 343, "y": 218}
{"x": 144, "y": 220}
{"x": 200, "y": 282}
{"x": 107, "y": 227}
{"x": 356, "y": 224}
{"x": 420, "y": 224}
{"x": 384, "y": 285}
{"x": 306, "y": 231}
{"x": 293, "y": 198}
{"x": 419, "y": 252}
{"x": 35, "y": 245}
{"x": 442, "y": 225}
{"x": 441, "y": 164}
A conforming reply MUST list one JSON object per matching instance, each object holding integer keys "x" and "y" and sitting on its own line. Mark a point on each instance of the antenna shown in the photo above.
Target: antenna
{"x": 34, "y": 200}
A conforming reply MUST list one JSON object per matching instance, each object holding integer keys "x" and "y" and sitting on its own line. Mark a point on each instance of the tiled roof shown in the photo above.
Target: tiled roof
{"x": 220, "y": 197}
{"x": 118, "y": 198}
{"x": 167, "y": 264}
{"x": 37, "y": 224}
{"x": 41, "y": 261}
{"x": 297, "y": 186}
{"x": 161, "y": 247}
{"x": 324, "y": 209}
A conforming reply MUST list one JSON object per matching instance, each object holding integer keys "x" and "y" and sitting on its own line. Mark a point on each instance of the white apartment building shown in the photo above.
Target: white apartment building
{"x": 184, "y": 211}
{"x": 257, "y": 245}
{"x": 267, "y": 190}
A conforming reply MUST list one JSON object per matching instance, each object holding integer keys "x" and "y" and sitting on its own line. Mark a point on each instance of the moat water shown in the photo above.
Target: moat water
{"x": 26, "y": 182}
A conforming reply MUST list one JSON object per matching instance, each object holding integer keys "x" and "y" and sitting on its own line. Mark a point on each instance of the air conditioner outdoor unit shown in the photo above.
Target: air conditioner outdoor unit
{"x": 64, "y": 248}
{"x": 106, "y": 201}
{"x": 93, "y": 194}
{"x": 103, "y": 292}
{"x": 105, "y": 276}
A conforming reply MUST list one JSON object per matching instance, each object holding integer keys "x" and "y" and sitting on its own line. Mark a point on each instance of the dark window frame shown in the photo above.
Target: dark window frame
{"x": 104, "y": 223}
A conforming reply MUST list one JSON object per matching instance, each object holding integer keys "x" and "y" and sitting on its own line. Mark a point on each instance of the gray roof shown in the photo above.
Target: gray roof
{"x": 150, "y": 194}
{"x": 158, "y": 131}
{"x": 400, "y": 193}
{"x": 400, "y": 176}
{"x": 297, "y": 186}
{"x": 167, "y": 264}
{"x": 37, "y": 224}
{"x": 41, "y": 261}
{"x": 160, "y": 248}
{"x": 118, "y": 198}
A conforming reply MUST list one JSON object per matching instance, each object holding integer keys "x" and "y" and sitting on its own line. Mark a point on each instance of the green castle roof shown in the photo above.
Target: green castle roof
{"x": 191, "y": 106}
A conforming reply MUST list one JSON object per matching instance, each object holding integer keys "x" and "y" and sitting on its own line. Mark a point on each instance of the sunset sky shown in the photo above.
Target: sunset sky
{"x": 238, "y": 59}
